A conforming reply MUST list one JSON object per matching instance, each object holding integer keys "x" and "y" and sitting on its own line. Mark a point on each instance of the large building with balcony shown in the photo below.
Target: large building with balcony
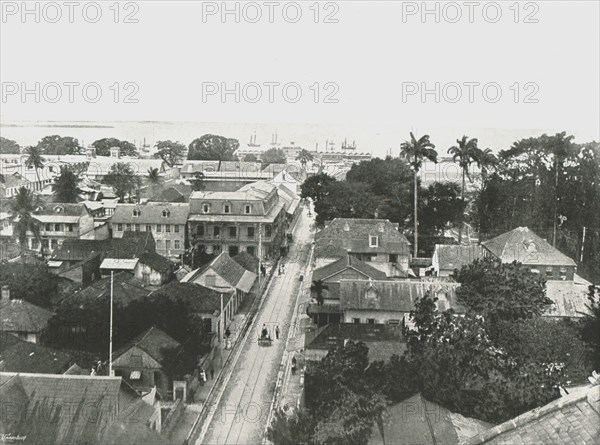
{"x": 251, "y": 219}
{"x": 166, "y": 222}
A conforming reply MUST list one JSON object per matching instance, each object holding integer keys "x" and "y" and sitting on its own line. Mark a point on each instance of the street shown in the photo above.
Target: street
{"x": 241, "y": 415}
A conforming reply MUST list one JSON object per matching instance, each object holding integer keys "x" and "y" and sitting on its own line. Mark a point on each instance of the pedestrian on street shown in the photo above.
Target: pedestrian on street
{"x": 277, "y": 332}
{"x": 294, "y": 360}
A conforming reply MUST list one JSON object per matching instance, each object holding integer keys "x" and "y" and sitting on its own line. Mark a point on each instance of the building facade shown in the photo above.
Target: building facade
{"x": 252, "y": 219}
{"x": 166, "y": 221}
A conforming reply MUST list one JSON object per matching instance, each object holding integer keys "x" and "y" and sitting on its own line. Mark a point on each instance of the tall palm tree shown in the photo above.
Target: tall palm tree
{"x": 305, "y": 157}
{"x": 415, "y": 151}
{"x": 35, "y": 159}
{"x": 485, "y": 159}
{"x": 464, "y": 153}
{"x": 65, "y": 187}
{"x": 23, "y": 206}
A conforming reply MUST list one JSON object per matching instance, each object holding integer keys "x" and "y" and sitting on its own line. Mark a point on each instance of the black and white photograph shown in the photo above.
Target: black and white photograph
{"x": 312, "y": 222}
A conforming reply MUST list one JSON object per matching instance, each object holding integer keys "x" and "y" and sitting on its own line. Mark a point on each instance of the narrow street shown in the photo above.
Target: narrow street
{"x": 241, "y": 415}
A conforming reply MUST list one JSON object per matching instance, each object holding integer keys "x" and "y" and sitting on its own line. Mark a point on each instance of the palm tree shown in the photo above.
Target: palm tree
{"x": 305, "y": 156}
{"x": 318, "y": 287}
{"x": 35, "y": 159}
{"x": 23, "y": 205}
{"x": 415, "y": 151}
{"x": 465, "y": 153}
{"x": 153, "y": 175}
{"x": 485, "y": 159}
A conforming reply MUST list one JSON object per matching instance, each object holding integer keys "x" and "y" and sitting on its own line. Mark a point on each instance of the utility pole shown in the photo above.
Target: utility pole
{"x": 222, "y": 330}
{"x": 582, "y": 244}
{"x": 110, "y": 344}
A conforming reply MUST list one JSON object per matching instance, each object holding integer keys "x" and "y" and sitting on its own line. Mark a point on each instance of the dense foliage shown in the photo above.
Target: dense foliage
{"x": 170, "y": 152}
{"x": 59, "y": 145}
{"x": 104, "y": 145}
{"x": 273, "y": 156}
{"x": 122, "y": 179}
{"x": 213, "y": 148}
{"x": 32, "y": 283}
{"x": 65, "y": 186}
{"x": 8, "y": 146}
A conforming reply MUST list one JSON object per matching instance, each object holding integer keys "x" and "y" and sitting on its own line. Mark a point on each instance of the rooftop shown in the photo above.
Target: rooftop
{"x": 524, "y": 246}
{"x": 247, "y": 261}
{"x": 450, "y": 257}
{"x": 132, "y": 245}
{"x": 152, "y": 213}
{"x": 22, "y": 316}
{"x": 152, "y": 341}
{"x": 347, "y": 262}
{"x": 157, "y": 262}
{"x": 202, "y": 299}
{"x": 18, "y": 355}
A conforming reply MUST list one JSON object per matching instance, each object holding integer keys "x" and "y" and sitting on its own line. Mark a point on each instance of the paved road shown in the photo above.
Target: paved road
{"x": 241, "y": 415}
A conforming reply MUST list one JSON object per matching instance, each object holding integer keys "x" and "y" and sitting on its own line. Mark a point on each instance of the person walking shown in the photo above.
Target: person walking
{"x": 277, "y": 332}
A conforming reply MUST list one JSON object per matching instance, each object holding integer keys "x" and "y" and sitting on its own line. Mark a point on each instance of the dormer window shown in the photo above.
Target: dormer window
{"x": 206, "y": 208}
{"x": 346, "y": 227}
{"x": 247, "y": 209}
{"x": 226, "y": 208}
{"x": 166, "y": 213}
{"x": 373, "y": 241}
{"x": 136, "y": 213}
{"x": 380, "y": 228}
{"x": 59, "y": 209}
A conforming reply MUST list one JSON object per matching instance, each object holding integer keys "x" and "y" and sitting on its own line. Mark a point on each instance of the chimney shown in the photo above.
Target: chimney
{"x": 5, "y": 293}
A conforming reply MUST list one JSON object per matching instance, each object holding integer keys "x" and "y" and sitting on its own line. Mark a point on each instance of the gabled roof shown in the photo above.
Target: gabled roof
{"x": 170, "y": 194}
{"x": 524, "y": 246}
{"x": 399, "y": 295}
{"x": 152, "y": 341}
{"x": 18, "y": 355}
{"x": 228, "y": 269}
{"x": 61, "y": 212}
{"x": 57, "y": 409}
{"x": 571, "y": 419}
{"x": 247, "y": 261}
{"x": 202, "y": 299}
{"x": 151, "y": 213}
{"x": 22, "y": 316}
{"x": 125, "y": 290}
{"x": 417, "y": 420}
{"x": 349, "y": 262}
{"x": 569, "y": 299}
{"x": 157, "y": 262}
{"x": 450, "y": 257}
{"x": 343, "y": 235}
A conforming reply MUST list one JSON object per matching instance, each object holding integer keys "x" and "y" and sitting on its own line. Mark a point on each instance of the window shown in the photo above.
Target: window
{"x": 53, "y": 244}
{"x": 268, "y": 230}
{"x": 232, "y": 232}
{"x": 250, "y": 250}
{"x": 176, "y": 228}
{"x": 216, "y": 231}
{"x": 226, "y": 208}
{"x": 70, "y": 227}
{"x": 211, "y": 280}
{"x": 136, "y": 213}
{"x": 167, "y": 244}
{"x": 206, "y": 208}
{"x": 233, "y": 251}
{"x": 393, "y": 321}
{"x": 166, "y": 213}
{"x": 159, "y": 228}
{"x": 393, "y": 258}
{"x": 57, "y": 227}
{"x": 247, "y": 209}
{"x": 356, "y": 320}
{"x": 563, "y": 273}
{"x": 148, "y": 228}
{"x": 119, "y": 227}
{"x": 250, "y": 232}
{"x": 48, "y": 228}
{"x": 371, "y": 320}
{"x": 373, "y": 241}
{"x": 177, "y": 244}
{"x": 168, "y": 228}
{"x": 159, "y": 244}
{"x": 35, "y": 244}
{"x": 549, "y": 271}
{"x": 128, "y": 226}
{"x": 200, "y": 230}
{"x": 137, "y": 227}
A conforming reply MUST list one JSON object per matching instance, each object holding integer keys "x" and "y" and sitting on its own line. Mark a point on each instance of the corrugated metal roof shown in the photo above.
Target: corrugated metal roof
{"x": 119, "y": 264}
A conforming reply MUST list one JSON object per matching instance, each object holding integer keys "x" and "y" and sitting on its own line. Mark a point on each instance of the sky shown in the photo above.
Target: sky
{"x": 366, "y": 71}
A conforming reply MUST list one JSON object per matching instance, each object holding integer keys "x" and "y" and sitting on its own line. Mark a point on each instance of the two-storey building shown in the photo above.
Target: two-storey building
{"x": 251, "y": 219}
{"x": 166, "y": 221}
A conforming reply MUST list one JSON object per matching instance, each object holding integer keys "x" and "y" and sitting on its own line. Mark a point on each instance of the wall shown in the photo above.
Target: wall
{"x": 379, "y": 316}
{"x": 159, "y": 237}
{"x": 155, "y": 278}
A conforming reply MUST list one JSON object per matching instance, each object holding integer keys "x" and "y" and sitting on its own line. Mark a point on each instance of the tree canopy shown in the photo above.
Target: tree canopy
{"x": 32, "y": 283}
{"x": 8, "y": 146}
{"x": 59, "y": 145}
{"x": 211, "y": 147}
{"x": 122, "y": 179}
{"x": 104, "y": 145}
{"x": 170, "y": 152}
{"x": 65, "y": 187}
{"x": 273, "y": 156}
